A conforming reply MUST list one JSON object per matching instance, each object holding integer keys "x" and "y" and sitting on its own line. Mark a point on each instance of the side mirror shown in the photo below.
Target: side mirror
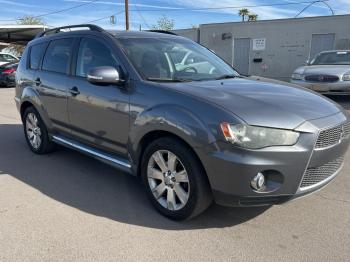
{"x": 104, "y": 75}
{"x": 307, "y": 62}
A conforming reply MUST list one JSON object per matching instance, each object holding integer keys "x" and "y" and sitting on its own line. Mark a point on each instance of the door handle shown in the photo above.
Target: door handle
{"x": 37, "y": 81}
{"x": 74, "y": 91}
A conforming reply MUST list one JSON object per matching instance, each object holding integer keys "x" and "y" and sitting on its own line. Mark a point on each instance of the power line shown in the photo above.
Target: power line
{"x": 172, "y": 9}
{"x": 315, "y": 2}
{"x": 225, "y": 7}
{"x": 102, "y": 18}
{"x": 141, "y": 16}
{"x": 57, "y": 11}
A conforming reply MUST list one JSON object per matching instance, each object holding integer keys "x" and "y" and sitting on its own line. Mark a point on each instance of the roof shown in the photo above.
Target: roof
{"x": 19, "y": 33}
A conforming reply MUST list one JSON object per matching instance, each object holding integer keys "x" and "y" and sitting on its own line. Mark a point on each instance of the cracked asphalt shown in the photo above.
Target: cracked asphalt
{"x": 68, "y": 207}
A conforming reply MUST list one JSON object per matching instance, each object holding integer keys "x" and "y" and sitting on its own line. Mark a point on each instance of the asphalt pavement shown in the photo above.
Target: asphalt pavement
{"x": 68, "y": 207}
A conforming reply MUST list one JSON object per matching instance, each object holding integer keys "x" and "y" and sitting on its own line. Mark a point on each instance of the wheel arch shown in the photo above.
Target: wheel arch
{"x": 151, "y": 136}
{"x": 30, "y": 98}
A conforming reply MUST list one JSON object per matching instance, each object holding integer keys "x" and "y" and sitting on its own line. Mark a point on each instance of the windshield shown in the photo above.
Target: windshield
{"x": 332, "y": 58}
{"x": 169, "y": 59}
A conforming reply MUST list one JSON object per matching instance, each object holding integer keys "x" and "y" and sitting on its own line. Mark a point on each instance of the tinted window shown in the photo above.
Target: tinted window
{"x": 35, "y": 55}
{"x": 7, "y": 58}
{"x": 93, "y": 53}
{"x": 57, "y": 55}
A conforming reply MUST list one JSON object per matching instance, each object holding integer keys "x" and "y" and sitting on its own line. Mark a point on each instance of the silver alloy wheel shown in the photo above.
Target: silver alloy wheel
{"x": 168, "y": 180}
{"x": 33, "y": 131}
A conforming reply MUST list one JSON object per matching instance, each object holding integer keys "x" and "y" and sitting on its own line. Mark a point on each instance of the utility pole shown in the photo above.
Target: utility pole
{"x": 126, "y": 14}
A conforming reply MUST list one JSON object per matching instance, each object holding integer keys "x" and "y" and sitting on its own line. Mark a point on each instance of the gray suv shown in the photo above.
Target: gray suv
{"x": 194, "y": 131}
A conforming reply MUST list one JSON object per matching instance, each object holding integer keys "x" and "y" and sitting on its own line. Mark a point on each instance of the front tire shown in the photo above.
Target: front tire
{"x": 175, "y": 181}
{"x": 36, "y": 133}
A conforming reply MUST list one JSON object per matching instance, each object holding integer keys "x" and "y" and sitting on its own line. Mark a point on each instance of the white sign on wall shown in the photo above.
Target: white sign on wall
{"x": 259, "y": 44}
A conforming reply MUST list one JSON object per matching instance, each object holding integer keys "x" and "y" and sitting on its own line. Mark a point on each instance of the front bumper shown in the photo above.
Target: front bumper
{"x": 231, "y": 169}
{"x": 340, "y": 87}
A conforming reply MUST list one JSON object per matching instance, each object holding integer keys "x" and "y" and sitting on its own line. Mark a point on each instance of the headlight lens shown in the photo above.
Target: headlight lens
{"x": 296, "y": 76}
{"x": 253, "y": 137}
{"x": 346, "y": 77}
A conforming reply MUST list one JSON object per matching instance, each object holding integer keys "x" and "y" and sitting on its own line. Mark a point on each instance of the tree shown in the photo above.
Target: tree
{"x": 164, "y": 23}
{"x": 30, "y": 20}
{"x": 25, "y": 20}
{"x": 252, "y": 17}
{"x": 243, "y": 13}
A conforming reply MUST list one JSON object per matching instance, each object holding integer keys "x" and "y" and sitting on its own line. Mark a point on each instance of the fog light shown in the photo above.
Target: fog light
{"x": 258, "y": 181}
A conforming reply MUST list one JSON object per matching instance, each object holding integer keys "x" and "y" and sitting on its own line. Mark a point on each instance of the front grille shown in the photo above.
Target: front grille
{"x": 322, "y": 78}
{"x": 316, "y": 175}
{"x": 333, "y": 135}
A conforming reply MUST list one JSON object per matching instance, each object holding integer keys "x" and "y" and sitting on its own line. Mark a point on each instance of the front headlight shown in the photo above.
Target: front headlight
{"x": 346, "y": 77}
{"x": 253, "y": 137}
{"x": 296, "y": 76}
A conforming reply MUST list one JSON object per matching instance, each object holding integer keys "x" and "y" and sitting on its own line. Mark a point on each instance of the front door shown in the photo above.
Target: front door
{"x": 99, "y": 115}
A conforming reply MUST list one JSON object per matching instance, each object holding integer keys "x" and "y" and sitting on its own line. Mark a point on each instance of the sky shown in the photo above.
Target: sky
{"x": 184, "y": 13}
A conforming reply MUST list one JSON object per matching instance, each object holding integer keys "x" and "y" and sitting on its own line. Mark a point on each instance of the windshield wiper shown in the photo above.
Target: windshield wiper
{"x": 175, "y": 80}
{"x": 225, "y": 77}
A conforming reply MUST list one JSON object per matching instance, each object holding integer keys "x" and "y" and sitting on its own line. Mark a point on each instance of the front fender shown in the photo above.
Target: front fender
{"x": 174, "y": 119}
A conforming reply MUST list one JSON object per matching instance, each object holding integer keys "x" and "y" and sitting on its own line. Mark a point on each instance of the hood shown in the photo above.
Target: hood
{"x": 262, "y": 103}
{"x": 338, "y": 70}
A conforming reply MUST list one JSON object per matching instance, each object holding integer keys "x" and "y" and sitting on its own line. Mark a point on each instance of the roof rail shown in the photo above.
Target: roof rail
{"x": 58, "y": 29}
{"x": 162, "y": 32}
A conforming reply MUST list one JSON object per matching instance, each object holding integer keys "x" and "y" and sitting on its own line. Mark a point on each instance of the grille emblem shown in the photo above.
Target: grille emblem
{"x": 321, "y": 78}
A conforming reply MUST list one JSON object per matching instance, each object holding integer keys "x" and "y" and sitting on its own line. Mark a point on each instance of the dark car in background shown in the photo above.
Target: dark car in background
{"x": 7, "y": 74}
{"x": 193, "y": 129}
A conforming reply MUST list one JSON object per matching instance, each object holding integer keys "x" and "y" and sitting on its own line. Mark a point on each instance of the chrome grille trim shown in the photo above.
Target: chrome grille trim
{"x": 332, "y": 136}
{"x": 322, "y": 78}
{"x": 316, "y": 176}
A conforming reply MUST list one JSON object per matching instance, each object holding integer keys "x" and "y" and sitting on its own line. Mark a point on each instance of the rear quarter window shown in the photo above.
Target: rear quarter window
{"x": 36, "y": 53}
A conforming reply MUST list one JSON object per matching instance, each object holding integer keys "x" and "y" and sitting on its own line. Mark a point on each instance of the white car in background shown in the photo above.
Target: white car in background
{"x": 6, "y": 58}
{"x": 327, "y": 73}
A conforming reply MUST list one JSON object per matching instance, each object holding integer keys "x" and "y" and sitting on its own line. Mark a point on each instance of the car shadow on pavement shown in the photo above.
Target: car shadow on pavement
{"x": 96, "y": 188}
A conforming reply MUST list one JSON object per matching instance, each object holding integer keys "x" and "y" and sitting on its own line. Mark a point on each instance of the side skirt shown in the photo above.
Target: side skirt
{"x": 120, "y": 163}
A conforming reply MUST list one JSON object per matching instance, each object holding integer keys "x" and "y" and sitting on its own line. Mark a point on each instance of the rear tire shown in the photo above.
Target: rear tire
{"x": 36, "y": 133}
{"x": 174, "y": 179}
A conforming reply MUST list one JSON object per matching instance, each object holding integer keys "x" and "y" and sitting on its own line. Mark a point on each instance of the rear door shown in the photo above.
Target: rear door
{"x": 99, "y": 115}
{"x": 52, "y": 81}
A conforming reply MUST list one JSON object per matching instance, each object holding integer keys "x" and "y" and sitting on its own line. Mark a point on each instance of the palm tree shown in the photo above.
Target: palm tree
{"x": 243, "y": 13}
{"x": 252, "y": 17}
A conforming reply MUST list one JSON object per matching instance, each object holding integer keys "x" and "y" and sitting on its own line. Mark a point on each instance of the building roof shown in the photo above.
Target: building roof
{"x": 19, "y": 33}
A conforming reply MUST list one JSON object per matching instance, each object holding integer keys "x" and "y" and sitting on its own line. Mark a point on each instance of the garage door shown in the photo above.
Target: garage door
{"x": 241, "y": 55}
{"x": 321, "y": 42}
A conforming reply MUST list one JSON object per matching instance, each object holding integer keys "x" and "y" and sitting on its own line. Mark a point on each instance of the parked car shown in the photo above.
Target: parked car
{"x": 7, "y": 74}
{"x": 192, "y": 136}
{"x": 7, "y": 58}
{"x": 328, "y": 72}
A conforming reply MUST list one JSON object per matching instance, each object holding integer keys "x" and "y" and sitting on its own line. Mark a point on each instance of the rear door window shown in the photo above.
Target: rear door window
{"x": 36, "y": 54}
{"x": 57, "y": 56}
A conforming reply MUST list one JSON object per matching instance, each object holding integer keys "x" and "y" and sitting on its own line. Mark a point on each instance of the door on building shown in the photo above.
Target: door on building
{"x": 241, "y": 53}
{"x": 321, "y": 42}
